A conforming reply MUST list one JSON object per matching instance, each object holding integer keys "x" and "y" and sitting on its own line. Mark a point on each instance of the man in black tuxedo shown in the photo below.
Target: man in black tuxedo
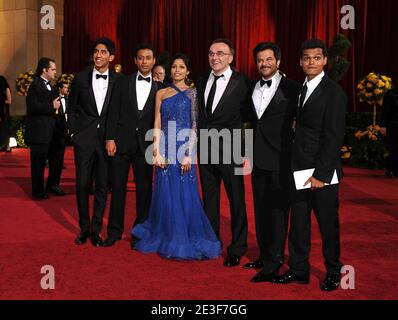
{"x": 273, "y": 108}
{"x": 131, "y": 115}
{"x": 57, "y": 147}
{"x": 87, "y": 113}
{"x": 319, "y": 134}
{"x": 42, "y": 103}
{"x": 223, "y": 97}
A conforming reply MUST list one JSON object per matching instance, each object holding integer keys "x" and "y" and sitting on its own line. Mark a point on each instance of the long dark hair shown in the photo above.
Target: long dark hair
{"x": 187, "y": 63}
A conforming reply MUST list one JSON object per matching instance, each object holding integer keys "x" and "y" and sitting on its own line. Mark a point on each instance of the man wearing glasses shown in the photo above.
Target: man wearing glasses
{"x": 223, "y": 102}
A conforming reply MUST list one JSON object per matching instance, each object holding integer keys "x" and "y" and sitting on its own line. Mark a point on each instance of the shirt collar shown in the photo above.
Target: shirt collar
{"x": 227, "y": 73}
{"x": 148, "y": 76}
{"x": 106, "y": 73}
{"x": 276, "y": 78}
{"x": 314, "y": 82}
{"x": 45, "y": 80}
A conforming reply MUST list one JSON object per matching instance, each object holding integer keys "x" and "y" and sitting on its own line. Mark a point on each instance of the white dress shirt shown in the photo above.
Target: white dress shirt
{"x": 143, "y": 89}
{"x": 63, "y": 103}
{"x": 47, "y": 84}
{"x": 312, "y": 84}
{"x": 100, "y": 88}
{"x": 221, "y": 86}
{"x": 262, "y": 95}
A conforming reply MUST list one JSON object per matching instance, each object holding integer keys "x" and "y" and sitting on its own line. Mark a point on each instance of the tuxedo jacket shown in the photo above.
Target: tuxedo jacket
{"x": 84, "y": 122}
{"x": 273, "y": 132}
{"x": 319, "y": 134}
{"x": 40, "y": 121}
{"x": 126, "y": 124}
{"x": 60, "y": 120}
{"x": 231, "y": 111}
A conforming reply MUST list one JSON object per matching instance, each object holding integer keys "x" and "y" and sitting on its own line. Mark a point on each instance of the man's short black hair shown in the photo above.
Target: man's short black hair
{"x": 265, "y": 46}
{"x": 61, "y": 84}
{"x": 143, "y": 46}
{"x": 44, "y": 63}
{"x": 312, "y": 44}
{"x": 227, "y": 42}
{"x": 108, "y": 43}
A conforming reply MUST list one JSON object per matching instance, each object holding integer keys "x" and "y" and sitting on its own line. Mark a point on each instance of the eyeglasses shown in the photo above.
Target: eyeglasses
{"x": 219, "y": 54}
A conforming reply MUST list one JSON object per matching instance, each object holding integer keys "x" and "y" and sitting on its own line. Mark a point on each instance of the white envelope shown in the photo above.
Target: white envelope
{"x": 301, "y": 176}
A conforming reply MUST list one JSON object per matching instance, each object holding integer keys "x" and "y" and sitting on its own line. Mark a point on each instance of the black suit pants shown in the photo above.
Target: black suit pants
{"x": 325, "y": 203}
{"x": 85, "y": 160}
{"x": 142, "y": 172}
{"x": 211, "y": 176}
{"x": 271, "y": 211}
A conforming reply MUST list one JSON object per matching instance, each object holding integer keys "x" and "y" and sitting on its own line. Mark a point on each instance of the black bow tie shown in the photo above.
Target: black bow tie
{"x": 103, "y": 76}
{"x": 263, "y": 82}
{"x": 140, "y": 78}
{"x": 46, "y": 82}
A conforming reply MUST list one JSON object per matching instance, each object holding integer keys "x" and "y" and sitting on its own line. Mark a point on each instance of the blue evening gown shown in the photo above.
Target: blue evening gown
{"x": 177, "y": 226}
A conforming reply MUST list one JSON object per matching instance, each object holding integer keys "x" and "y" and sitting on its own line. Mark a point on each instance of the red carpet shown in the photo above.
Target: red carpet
{"x": 34, "y": 234}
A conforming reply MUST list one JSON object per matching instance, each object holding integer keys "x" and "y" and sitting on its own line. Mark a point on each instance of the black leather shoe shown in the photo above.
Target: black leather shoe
{"x": 258, "y": 264}
{"x": 56, "y": 190}
{"x": 265, "y": 277}
{"x": 96, "y": 240}
{"x": 82, "y": 238}
{"x": 290, "y": 277}
{"x": 231, "y": 260}
{"x": 40, "y": 196}
{"x": 331, "y": 282}
{"x": 109, "y": 242}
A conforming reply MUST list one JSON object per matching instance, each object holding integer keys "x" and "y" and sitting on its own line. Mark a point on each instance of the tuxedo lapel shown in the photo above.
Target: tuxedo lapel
{"x": 201, "y": 93}
{"x": 315, "y": 94}
{"x": 278, "y": 97}
{"x": 149, "y": 101}
{"x": 108, "y": 92}
{"x": 91, "y": 91}
{"x": 233, "y": 82}
{"x": 133, "y": 92}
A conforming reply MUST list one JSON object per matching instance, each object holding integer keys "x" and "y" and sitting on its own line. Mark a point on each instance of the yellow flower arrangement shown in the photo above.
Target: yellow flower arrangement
{"x": 371, "y": 133}
{"x": 373, "y": 87}
{"x": 23, "y": 82}
{"x": 345, "y": 152}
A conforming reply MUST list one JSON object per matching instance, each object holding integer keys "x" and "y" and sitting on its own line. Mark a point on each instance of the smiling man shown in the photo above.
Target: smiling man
{"x": 273, "y": 109}
{"x": 131, "y": 116}
{"x": 223, "y": 103}
{"x": 87, "y": 113}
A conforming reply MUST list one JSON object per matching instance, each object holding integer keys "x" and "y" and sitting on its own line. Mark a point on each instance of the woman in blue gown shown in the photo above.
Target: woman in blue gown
{"x": 177, "y": 226}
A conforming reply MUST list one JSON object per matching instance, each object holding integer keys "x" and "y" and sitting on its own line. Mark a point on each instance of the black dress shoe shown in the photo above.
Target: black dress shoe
{"x": 96, "y": 240}
{"x": 110, "y": 241}
{"x": 231, "y": 260}
{"x": 265, "y": 276}
{"x": 258, "y": 264}
{"x": 331, "y": 282}
{"x": 290, "y": 277}
{"x": 82, "y": 238}
{"x": 56, "y": 190}
{"x": 40, "y": 196}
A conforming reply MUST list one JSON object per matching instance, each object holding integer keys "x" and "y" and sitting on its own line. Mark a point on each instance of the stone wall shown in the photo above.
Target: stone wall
{"x": 23, "y": 41}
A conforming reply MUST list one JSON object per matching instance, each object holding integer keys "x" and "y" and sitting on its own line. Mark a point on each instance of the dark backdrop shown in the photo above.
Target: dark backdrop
{"x": 190, "y": 26}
